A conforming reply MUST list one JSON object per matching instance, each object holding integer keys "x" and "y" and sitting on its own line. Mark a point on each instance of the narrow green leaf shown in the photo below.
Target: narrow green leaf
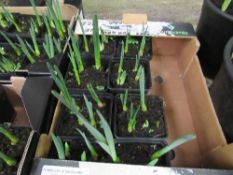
{"x": 14, "y": 139}
{"x": 89, "y": 145}
{"x": 96, "y": 41}
{"x": 225, "y": 5}
{"x": 38, "y": 20}
{"x": 179, "y": 141}
{"x": 25, "y": 50}
{"x": 95, "y": 96}
{"x": 109, "y": 136}
{"x": 84, "y": 156}
{"x": 13, "y": 45}
{"x": 59, "y": 146}
{"x": 67, "y": 149}
{"x": 74, "y": 66}
{"x": 90, "y": 110}
{"x": 7, "y": 159}
{"x": 142, "y": 91}
{"x": 84, "y": 36}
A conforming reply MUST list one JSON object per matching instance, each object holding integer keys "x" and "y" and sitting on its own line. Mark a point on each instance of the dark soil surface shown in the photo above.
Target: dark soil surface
{"x": 138, "y": 154}
{"x": 68, "y": 122}
{"x": 89, "y": 75}
{"x": 133, "y": 49}
{"x": 218, "y": 3}
{"x": 155, "y": 116}
{"x": 130, "y": 83}
{"x": 15, "y": 151}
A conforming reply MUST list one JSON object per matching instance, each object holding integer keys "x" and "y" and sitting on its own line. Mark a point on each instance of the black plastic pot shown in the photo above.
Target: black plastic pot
{"x": 96, "y": 77}
{"x": 67, "y": 123}
{"x": 7, "y": 111}
{"x": 24, "y": 3}
{"x": 129, "y": 152}
{"x": 127, "y": 61}
{"x": 150, "y": 133}
{"x": 214, "y": 30}
{"x": 221, "y": 92}
{"x": 133, "y": 49}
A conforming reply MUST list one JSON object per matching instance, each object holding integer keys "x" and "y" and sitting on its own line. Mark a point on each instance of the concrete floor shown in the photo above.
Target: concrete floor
{"x": 157, "y": 10}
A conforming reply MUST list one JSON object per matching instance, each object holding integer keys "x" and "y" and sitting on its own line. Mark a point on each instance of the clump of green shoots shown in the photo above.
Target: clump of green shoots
{"x": 55, "y": 18}
{"x": 49, "y": 47}
{"x": 46, "y": 23}
{"x": 63, "y": 150}
{"x": 90, "y": 147}
{"x": 77, "y": 53}
{"x": 25, "y": 50}
{"x": 71, "y": 55}
{"x": 121, "y": 73}
{"x": 90, "y": 110}
{"x": 7, "y": 159}
{"x": 142, "y": 91}
{"x": 86, "y": 47}
{"x": 13, "y": 45}
{"x": 10, "y": 18}
{"x": 142, "y": 44}
{"x": 225, "y": 5}
{"x": 158, "y": 154}
{"x": 35, "y": 50}
{"x": 132, "y": 118}
{"x": 124, "y": 98}
{"x": 96, "y": 40}
{"x": 95, "y": 96}
{"x": 9, "y": 135}
{"x": 7, "y": 65}
{"x": 38, "y": 19}
{"x": 105, "y": 141}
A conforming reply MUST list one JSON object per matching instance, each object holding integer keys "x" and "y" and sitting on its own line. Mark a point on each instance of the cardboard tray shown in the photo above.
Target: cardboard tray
{"x": 188, "y": 108}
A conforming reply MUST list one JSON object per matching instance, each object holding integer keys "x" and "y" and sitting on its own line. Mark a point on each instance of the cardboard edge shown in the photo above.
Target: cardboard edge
{"x": 28, "y": 153}
{"x": 45, "y": 139}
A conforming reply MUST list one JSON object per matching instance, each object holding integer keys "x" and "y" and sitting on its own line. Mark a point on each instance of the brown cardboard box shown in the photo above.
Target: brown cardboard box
{"x": 188, "y": 105}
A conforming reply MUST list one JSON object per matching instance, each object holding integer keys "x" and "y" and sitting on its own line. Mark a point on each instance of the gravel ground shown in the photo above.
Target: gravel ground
{"x": 157, "y": 10}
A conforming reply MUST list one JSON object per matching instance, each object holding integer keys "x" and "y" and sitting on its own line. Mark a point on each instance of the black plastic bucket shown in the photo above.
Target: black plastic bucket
{"x": 222, "y": 92}
{"x": 214, "y": 30}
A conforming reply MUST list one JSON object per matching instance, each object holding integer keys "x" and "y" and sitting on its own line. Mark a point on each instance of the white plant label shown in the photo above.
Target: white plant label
{"x": 117, "y": 28}
{"x": 62, "y": 170}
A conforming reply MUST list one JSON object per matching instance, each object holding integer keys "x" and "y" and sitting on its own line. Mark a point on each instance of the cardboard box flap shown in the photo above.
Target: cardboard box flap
{"x": 35, "y": 97}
